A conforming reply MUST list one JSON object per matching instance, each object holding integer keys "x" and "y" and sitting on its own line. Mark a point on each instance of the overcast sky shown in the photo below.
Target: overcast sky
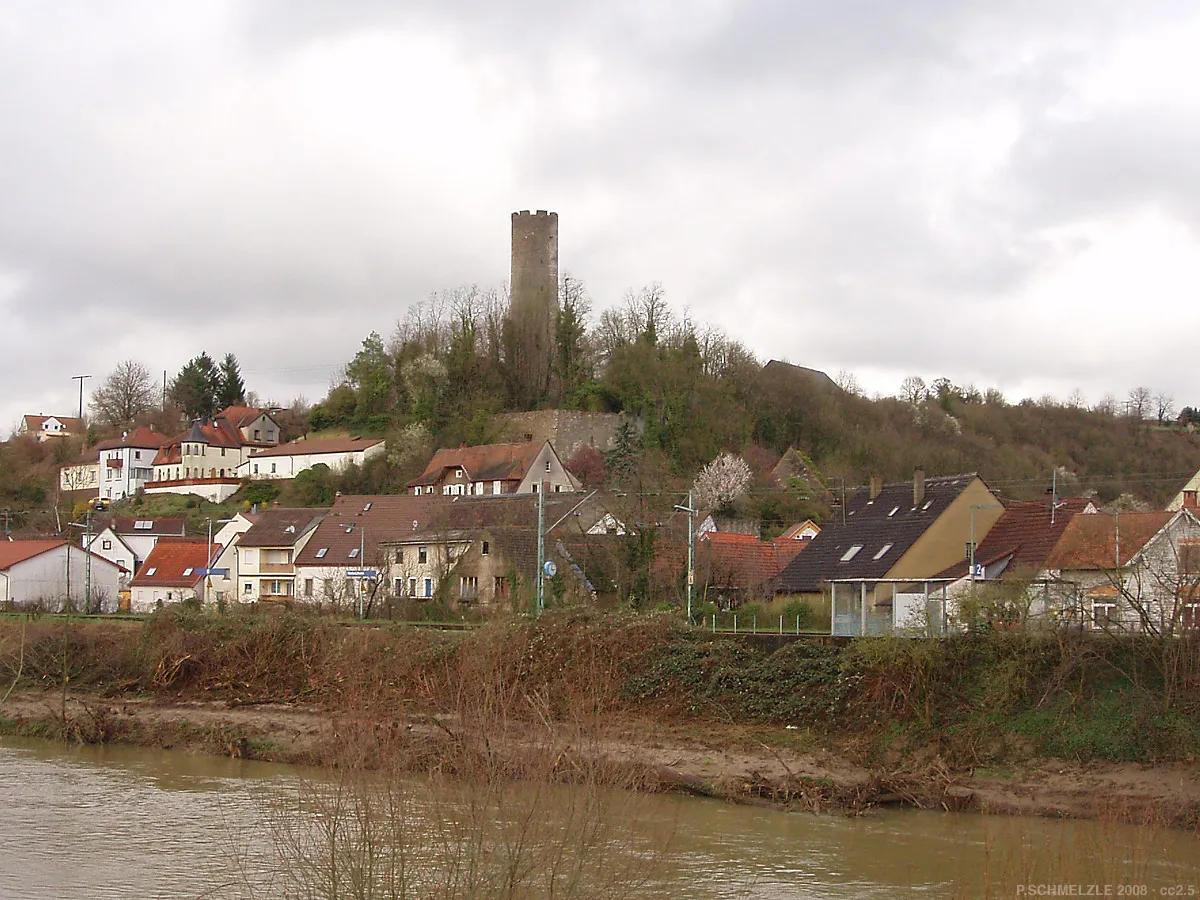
{"x": 1003, "y": 193}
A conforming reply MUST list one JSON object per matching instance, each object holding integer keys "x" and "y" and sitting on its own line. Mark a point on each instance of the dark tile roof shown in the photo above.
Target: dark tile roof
{"x": 489, "y": 462}
{"x": 1090, "y": 542}
{"x": 889, "y": 521}
{"x": 128, "y": 525}
{"x": 1027, "y": 532}
{"x": 281, "y": 527}
{"x": 372, "y": 521}
{"x": 173, "y": 563}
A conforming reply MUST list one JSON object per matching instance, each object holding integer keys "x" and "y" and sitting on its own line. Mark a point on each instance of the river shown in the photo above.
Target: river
{"x": 108, "y": 822}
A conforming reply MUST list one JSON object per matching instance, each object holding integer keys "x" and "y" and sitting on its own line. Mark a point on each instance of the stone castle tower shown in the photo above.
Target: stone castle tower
{"x": 534, "y": 304}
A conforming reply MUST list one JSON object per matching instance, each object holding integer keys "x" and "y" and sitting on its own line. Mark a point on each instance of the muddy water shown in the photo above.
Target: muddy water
{"x": 127, "y": 822}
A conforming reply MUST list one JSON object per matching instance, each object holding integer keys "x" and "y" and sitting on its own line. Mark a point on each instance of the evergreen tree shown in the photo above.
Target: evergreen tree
{"x": 194, "y": 390}
{"x": 231, "y": 390}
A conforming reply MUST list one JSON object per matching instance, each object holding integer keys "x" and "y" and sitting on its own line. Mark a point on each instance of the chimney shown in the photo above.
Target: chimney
{"x": 918, "y": 486}
{"x": 876, "y": 486}
{"x": 1189, "y": 499}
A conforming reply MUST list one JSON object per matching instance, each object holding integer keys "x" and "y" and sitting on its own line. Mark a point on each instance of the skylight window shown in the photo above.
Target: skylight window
{"x": 321, "y": 553}
{"x": 354, "y": 553}
{"x": 895, "y": 509}
{"x": 928, "y": 503}
{"x": 851, "y": 553}
{"x": 187, "y": 571}
{"x": 349, "y": 528}
{"x": 143, "y": 524}
{"x": 883, "y": 551}
{"x": 151, "y": 571}
{"x": 367, "y": 508}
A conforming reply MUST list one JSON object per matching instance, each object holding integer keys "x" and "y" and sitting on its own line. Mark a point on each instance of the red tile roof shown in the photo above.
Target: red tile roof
{"x": 242, "y": 416}
{"x": 171, "y": 558}
{"x": 318, "y": 446}
{"x": 744, "y": 560}
{"x": 70, "y": 423}
{"x": 1027, "y": 531}
{"x": 1090, "y": 542}
{"x": 488, "y": 462}
{"x": 142, "y": 439}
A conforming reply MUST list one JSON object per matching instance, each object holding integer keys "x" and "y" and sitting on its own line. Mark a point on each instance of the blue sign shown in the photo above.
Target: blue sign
{"x": 219, "y": 573}
{"x": 361, "y": 573}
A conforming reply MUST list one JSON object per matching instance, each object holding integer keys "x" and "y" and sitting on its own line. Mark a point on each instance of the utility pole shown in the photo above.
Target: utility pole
{"x": 541, "y": 548}
{"x": 690, "y": 509}
{"x": 80, "y": 379}
{"x": 362, "y": 564}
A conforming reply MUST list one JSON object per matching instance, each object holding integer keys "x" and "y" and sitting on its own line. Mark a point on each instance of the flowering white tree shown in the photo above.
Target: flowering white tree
{"x": 722, "y": 481}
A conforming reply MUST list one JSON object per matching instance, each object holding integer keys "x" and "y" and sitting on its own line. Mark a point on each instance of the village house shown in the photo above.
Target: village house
{"x": 42, "y": 573}
{"x": 126, "y": 463}
{"x": 408, "y": 546}
{"x": 204, "y": 460}
{"x": 81, "y": 475}
{"x": 173, "y": 572}
{"x": 266, "y": 553}
{"x": 734, "y": 568}
{"x": 1131, "y": 572}
{"x": 128, "y": 540}
{"x": 1014, "y": 551}
{"x": 221, "y": 584}
{"x": 867, "y": 571}
{"x": 521, "y": 468}
{"x": 289, "y": 460}
{"x": 45, "y": 428}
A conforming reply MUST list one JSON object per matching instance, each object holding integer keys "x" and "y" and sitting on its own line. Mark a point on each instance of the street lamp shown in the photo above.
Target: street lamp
{"x": 691, "y": 572}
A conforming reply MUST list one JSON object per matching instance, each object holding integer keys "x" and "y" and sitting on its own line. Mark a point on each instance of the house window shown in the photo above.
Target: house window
{"x": 895, "y": 509}
{"x": 422, "y": 555}
{"x": 1189, "y": 557}
{"x": 308, "y": 587}
{"x": 535, "y": 487}
{"x": 412, "y": 587}
{"x": 256, "y": 468}
{"x": 107, "y": 545}
{"x": 851, "y": 553}
{"x": 187, "y": 571}
{"x": 398, "y": 587}
{"x": 399, "y": 556}
{"x": 256, "y": 432}
{"x": 883, "y": 551}
{"x": 247, "y": 588}
{"x": 1191, "y": 616}
{"x": 969, "y": 550}
{"x": 1103, "y": 614}
{"x": 496, "y": 487}
{"x": 428, "y": 587}
{"x": 468, "y": 588}
{"x": 458, "y": 473}
{"x": 547, "y": 465}
{"x": 484, "y": 550}
{"x": 500, "y": 586}
{"x": 272, "y": 468}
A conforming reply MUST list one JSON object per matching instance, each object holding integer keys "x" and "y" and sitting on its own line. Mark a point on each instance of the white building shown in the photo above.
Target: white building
{"x": 127, "y": 541}
{"x": 204, "y": 460}
{"x": 174, "y": 571}
{"x": 289, "y": 460}
{"x": 126, "y": 463}
{"x": 43, "y": 428}
{"x": 43, "y": 572}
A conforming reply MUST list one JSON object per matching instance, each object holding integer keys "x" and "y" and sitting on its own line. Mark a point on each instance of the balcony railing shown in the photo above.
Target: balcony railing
{"x": 276, "y": 569}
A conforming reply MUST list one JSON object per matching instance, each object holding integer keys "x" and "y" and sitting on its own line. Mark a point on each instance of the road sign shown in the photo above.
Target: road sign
{"x": 550, "y": 568}
{"x": 361, "y": 573}
{"x": 216, "y": 573}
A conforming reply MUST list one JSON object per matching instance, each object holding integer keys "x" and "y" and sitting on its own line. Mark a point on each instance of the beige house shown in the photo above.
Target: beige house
{"x": 895, "y": 539}
{"x": 204, "y": 460}
{"x": 266, "y": 553}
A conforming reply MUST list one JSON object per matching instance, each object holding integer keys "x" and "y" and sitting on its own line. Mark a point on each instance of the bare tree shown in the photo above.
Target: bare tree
{"x": 1139, "y": 402}
{"x": 914, "y": 390}
{"x": 848, "y": 382}
{"x": 125, "y": 393}
{"x": 1164, "y": 406}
